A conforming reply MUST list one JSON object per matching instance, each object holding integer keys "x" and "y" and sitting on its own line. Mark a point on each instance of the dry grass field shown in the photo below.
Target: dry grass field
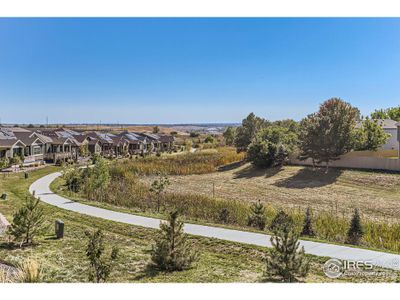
{"x": 376, "y": 194}
{"x": 134, "y": 128}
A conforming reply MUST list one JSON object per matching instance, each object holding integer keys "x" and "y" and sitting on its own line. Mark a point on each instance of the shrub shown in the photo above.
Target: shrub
{"x": 5, "y": 276}
{"x": 16, "y": 160}
{"x": 209, "y": 139}
{"x": 223, "y": 215}
{"x": 29, "y": 271}
{"x": 286, "y": 261}
{"x": 4, "y": 162}
{"x": 100, "y": 267}
{"x": 172, "y": 252}
{"x": 307, "y": 227}
{"x": 97, "y": 180}
{"x": 355, "y": 232}
{"x": 257, "y": 215}
{"x": 157, "y": 188}
{"x": 281, "y": 221}
{"x": 73, "y": 178}
{"x": 27, "y": 222}
{"x": 96, "y": 157}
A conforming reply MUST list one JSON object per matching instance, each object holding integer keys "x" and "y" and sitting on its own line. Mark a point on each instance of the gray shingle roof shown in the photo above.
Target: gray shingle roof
{"x": 384, "y": 123}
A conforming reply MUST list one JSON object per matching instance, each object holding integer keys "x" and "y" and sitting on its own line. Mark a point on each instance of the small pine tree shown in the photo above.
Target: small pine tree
{"x": 100, "y": 267}
{"x": 355, "y": 232}
{"x": 307, "y": 227}
{"x": 257, "y": 215}
{"x": 286, "y": 261}
{"x": 157, "y": 188}
{"x": 172, "y": 252}
{"x": 281, "y": 221}
{"x": 27, "y": 222}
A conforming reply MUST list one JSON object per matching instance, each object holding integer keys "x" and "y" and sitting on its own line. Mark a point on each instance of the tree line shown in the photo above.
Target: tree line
{"x": 335, "y": 129}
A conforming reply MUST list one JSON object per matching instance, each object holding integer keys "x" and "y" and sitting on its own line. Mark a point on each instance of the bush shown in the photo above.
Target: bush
{"x": 73, "y": 178}
{"x": 172, "y": 252}
{"x": 307, "y": 227}
{"x": 281, "y": 221}
{"x": 257, "y": 216}
{"x": 209, "y": 139}
{"x": 223, "y": 215}
{"x": 29, "y": 271}
{"x": 4, "y": 162}
{"x": 16, "y": 160}
{"x": 355, "y": 232}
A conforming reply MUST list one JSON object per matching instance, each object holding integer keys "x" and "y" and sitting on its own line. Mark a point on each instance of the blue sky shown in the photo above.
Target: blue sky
{"x": 193, "y": 70}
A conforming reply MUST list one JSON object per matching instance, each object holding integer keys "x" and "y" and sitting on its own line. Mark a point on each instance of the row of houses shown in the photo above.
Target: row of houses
{"x": 53, "y": 145}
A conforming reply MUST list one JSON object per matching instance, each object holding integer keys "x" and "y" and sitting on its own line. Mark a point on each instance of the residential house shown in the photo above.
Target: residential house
{"x": 137, "y": 144}
{"x": 154, "y": 144}
{"x": 9, "y": 144}
{"x": 105, "y": 141}
{"x": 62, "y": 144}
{"x": 390, "y": 127}
{"x": 121, "y": 145}
{"x": 28, "y": 146}
{"x": 167, "y": 142}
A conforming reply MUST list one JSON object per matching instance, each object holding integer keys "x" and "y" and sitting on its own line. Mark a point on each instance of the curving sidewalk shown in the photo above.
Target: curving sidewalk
{"x": 42, "y": 191}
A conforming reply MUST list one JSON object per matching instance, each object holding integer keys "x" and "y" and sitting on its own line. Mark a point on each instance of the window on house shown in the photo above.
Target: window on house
{"x": 37, "y": 150}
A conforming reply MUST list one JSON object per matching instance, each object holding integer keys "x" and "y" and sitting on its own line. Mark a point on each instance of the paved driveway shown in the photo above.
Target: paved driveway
{"x": 42, "y": 190}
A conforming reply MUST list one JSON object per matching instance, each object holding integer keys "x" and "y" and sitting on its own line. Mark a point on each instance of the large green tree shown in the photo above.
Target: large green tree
{"x": 370, "y": 136}
{"x": 392, "y": 113}
{"x": 308, "y": 137}
{"x": 271, "y": 146}
{"x": 329, "y": 132}
{"x": 247, "y": 132}
{"x": 229, "y": 135}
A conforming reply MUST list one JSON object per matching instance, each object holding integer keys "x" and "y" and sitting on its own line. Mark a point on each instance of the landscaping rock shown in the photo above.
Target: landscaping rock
{"x": 3, "y": 224}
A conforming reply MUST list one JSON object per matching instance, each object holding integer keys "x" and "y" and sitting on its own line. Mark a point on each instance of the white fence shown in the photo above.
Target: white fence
{"x": 357, "y": 162}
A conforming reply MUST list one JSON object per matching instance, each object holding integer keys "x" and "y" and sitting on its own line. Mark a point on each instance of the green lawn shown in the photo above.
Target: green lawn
{"x": 64, "y": 260}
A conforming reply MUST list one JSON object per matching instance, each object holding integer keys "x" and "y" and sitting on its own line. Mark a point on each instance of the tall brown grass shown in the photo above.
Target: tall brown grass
{"x": 205, "y": 161}
{"x": 29, "y": 271}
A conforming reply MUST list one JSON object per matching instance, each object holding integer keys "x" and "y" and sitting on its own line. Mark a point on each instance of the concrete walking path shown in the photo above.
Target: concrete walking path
{"x": 42, "y": 191}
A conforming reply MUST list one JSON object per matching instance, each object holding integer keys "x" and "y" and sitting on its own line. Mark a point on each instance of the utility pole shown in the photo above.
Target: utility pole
{"x": 47, "y": 122}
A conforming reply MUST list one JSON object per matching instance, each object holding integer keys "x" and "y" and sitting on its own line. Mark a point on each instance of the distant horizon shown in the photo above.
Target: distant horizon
{"x": 193, "y": 70}
{"x": 127, "y": 124}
